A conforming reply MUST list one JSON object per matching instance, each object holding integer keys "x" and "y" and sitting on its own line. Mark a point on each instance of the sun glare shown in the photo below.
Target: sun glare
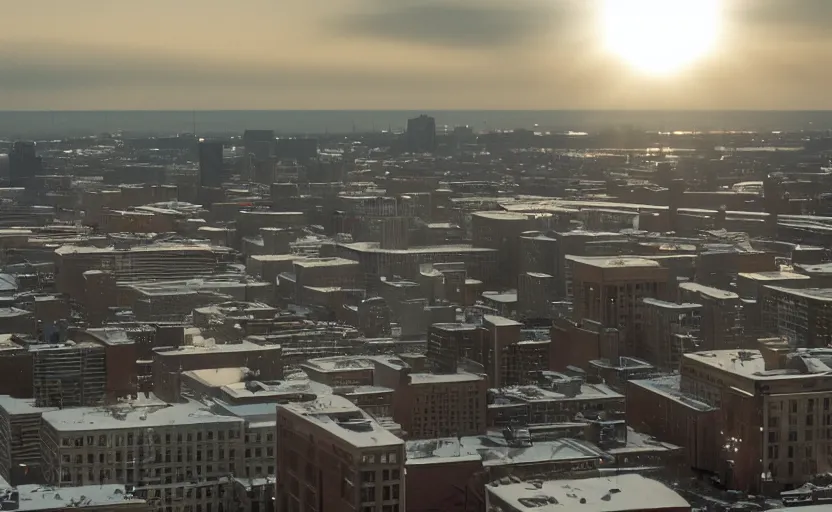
{"x": 661, "y": 36}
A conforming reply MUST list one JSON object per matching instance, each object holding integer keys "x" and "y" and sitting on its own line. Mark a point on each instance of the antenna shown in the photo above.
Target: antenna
{"x": 193, "y": 119}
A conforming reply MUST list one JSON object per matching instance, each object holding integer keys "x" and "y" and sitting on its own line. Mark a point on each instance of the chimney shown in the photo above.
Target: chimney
{"x": 775, "y": 352}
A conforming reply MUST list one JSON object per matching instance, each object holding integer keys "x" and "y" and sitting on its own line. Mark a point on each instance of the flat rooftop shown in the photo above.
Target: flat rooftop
{"x": 140, "y": 414}
{"x": 340, "y": 363}
{"x": 44, "y": 497}
{"x": 502, "y": 215}
{"x": 538, "y": 394}
{"x": 819, "y": 294}
{"x": 443, "y": 378}
{"x": 209, "y": 348}
{"x": 275, "y": 389}
{"x": 708, "y": 291}
{"x": 670, "y": 305}
{"x": 343, "y": 419}
{"x": 670, "y": 387}
{"x": 76, "y": 249}
{"x": 7, "y": 343}
{"x": 614, "y": 262}
{"x": 373, "y": 247}
{"x": 503, "y": 297}
{"x": 217, "y": 377}
{"x": 454, "y": 327}
{"x": 774, "y": 276}
{"x": 325, "y": 262}
{"x": 494, "y": 450}
{"x": 621, "y": 493}
{"x": 20, "y": 406}
{"x": 500, "y": 321}
{"x": 750, "y": 364}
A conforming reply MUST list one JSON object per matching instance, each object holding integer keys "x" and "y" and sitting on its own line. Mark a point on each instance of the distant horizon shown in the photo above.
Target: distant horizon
{"x": 57, "y": 123}
{"x": 417, "y": 110}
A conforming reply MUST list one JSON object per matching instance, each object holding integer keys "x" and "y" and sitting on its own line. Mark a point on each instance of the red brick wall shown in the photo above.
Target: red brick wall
{"x": 121, "y": 370}
{"x": 432, "y": 487}
{"x": 667, "y": 420}
{"x": 572, "y": 347}
{"x": 17, "y": 375}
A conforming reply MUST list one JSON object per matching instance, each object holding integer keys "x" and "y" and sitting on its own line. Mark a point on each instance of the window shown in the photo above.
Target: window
{"x": 792, "y": 436}
{"x": 393, "y": 458}
{"x": 368, "y": 476}
{"x": 368, "y": 494}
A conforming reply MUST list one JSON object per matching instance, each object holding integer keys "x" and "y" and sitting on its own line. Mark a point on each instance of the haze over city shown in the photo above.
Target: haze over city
{"x": 409, "y": 54}
{"x": 416, "y": 256}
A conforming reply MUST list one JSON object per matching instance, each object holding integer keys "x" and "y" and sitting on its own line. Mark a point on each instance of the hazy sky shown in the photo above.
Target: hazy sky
{"x": 396, "y": 54}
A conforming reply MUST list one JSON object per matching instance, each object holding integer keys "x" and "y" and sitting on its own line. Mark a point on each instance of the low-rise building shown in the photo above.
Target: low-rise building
{"x": 621, "y": 493}
{"x": 172, "y": 455}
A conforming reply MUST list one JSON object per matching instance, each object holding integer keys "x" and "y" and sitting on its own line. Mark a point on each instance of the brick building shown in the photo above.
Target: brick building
{"x": 172, "y": 455}
{"x": 721, "y": 325}
{"x": 611, "y": 291}
{"x": 670, "y": 330}
{"x": 773, "y": 412}
{"x": 658, "y": 408}
{"x": 332, "y": 456}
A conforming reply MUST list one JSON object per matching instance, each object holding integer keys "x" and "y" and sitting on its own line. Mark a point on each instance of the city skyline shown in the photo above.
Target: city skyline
{"x": 364, "y": 54}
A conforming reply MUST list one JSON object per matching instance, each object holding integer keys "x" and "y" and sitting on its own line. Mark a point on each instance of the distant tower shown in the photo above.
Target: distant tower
{"x": 24, "y": 164}
{"x": 677, "y": 195}
{"x": 210, "y": 164}
{"x": 421, "y": 134}
{"x": 773, "y": 201}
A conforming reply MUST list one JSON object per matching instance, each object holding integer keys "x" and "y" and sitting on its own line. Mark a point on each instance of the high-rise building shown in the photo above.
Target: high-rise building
{"x": 610, "y": 291}
{"x": 210, "y": 164}
{"x": 421, "y": 134}
{"x": 24, "y": 163}
{"x": 296, "y": 149}
{"x": 332, "y": 456}
{"x": 259, "y": 143}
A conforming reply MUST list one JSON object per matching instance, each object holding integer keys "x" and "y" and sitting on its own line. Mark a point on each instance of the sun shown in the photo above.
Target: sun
{"x": 661, "y": 37}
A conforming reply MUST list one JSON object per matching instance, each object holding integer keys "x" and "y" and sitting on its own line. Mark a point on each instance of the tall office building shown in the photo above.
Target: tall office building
{"x": 259, "y": 143}
{"x": 24, "y": 163}
{"x": 210, "y": 164}
{"x": 421, "y": 134}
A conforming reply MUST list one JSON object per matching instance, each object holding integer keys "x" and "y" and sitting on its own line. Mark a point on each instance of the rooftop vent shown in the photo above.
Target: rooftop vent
{"x": 357, "y": 425}
{"x": 538, "y": 501}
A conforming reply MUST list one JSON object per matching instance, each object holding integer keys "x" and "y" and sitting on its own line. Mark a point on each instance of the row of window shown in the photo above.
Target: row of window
{"x": 382, "y": 458}
{"x": 134, "y": 476}
{"x": 388, "y": 492}
{"x": 131, "y": 439}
